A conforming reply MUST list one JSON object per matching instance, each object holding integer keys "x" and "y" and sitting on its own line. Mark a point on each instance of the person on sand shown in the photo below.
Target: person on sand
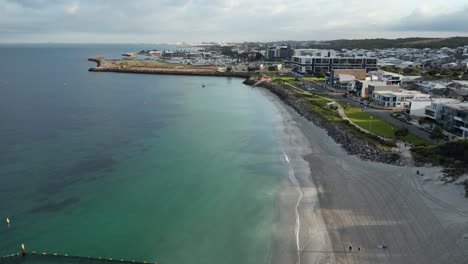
{"x": 359, "y": 249}
{"x": 350, "y": 248}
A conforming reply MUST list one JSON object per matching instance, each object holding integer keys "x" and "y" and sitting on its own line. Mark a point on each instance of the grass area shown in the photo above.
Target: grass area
{"x": 312, "y": 79}
{"x": 379, "y": 126}
{"x": 277, "y": 76}
{"x": 369, "y": 122}
{"x": 416, "y": 141}
{"x": 321, "y": 102}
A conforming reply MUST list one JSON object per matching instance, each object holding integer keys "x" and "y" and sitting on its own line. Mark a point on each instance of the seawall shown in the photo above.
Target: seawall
{"x": 172, "y": 72}
{"x": 353, "y": 145}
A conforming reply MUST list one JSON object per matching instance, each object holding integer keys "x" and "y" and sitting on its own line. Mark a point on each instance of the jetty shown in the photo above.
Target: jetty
{"x": 45, "y": 257}
{"x": 157, "y": 67}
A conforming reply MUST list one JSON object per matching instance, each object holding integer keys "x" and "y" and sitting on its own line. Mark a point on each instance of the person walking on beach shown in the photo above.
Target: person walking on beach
{"x": 350, "y": 248}
{"x": 359, "y": 249}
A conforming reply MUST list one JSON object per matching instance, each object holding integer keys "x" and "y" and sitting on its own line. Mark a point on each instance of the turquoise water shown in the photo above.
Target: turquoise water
{"x": 141, "y": 167}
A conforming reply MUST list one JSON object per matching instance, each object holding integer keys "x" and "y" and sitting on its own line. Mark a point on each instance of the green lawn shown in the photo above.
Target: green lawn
{"x": 312, "y": 79}
{"x": 369, "y": 122}
{"x": 379, "y": 126}
{"x": 416, "y": 141}
{"x": 321, "y": 102}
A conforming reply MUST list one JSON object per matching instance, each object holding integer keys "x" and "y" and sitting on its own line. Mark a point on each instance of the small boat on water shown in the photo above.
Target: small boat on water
{"x": 203, "y": 85}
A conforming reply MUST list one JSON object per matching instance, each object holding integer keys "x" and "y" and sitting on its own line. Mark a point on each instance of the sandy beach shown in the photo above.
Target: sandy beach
{"x": 332, "y": 200}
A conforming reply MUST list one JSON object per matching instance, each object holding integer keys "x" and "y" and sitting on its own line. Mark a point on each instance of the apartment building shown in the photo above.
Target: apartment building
{"x": 452, "y": 117}
{"x": 314, "y": 64}
{"x": 417, "y": 106}
{"x": 279, "y": 53}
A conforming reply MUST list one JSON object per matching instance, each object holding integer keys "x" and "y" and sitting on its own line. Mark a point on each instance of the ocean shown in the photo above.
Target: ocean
{"x": 128, "y": 166}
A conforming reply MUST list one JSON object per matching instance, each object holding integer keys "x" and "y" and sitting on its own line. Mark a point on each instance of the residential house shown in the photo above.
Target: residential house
{"x": 394, "y": 99}
{"x": 389, "y": 77}
{"x": 362, "y": 87}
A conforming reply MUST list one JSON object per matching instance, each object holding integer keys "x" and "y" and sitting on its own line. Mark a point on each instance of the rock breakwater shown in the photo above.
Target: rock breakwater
{"x": 353, "y": 145}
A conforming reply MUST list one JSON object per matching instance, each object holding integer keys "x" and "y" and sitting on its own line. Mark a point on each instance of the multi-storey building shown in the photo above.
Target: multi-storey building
{"x": 314, "y": 64}
{"x": 452, "y": 117}
{"x": 417, "y": 106}
{"x": 279, "y": 52}
{"x": 395, "y": 99}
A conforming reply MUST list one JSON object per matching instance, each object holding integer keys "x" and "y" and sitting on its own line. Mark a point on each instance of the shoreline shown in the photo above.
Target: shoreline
{"x": 298, "y": 224}
{"x": 350, "y": 201}
{"x": 353, "y": 145}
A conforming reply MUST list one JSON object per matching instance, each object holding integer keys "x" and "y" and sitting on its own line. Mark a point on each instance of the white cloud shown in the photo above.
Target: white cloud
{"x": 72, "y": 9}
{"x": 230, "y": 20}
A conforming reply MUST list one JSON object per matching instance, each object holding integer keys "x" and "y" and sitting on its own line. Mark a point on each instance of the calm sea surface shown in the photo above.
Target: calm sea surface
{"x": 141, "y": 167}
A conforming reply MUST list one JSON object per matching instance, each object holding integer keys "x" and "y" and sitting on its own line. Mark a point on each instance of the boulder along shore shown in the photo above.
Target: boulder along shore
{"x": 353, "y": 145}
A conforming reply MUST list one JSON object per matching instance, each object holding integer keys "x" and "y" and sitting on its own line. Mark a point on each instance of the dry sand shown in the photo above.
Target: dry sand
{"x": 342, "y": 201}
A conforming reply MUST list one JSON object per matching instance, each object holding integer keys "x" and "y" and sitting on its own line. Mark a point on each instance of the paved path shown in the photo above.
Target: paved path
{"x": 341, "y": 112}
{"x": 382, "y": 114}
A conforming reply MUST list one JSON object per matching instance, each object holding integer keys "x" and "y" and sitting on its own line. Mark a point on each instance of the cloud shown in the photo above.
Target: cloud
{"x": 72, "y": 8}
{"x": 427, "y": 19}
{"x": 213, "y": 20}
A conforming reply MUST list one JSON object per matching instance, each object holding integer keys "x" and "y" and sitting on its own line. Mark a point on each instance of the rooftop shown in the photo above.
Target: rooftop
{"x": 460, "y": 106}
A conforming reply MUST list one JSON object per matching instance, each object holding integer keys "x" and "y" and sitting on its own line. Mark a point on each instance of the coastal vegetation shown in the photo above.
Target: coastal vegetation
{"x": 319, "y": 103}
{"x": 452, "y": 155}
{"x": 433, "y": 72}
{"x": 380, "y": 43}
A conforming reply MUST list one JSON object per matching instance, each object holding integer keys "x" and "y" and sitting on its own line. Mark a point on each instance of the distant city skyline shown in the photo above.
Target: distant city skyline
{"x": 166, "y": 21}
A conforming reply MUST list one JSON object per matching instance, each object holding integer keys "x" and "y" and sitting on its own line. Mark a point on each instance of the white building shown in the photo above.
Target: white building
{"x": 314, "y": 64}
{"x": 362, "y": 87}
{"x": 315, "y": 52}
{"x": 417, "y": 106}
{"x": 395, "y": 99}
{"x": 343, "y": 81}
{"x": 389, "y": 77}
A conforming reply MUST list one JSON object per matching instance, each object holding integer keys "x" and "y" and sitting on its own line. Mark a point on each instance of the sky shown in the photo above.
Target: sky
{"x": 175, "y": 21}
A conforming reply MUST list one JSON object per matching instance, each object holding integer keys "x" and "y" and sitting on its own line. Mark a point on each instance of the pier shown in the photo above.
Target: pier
{"x": 120, "y": 66}
{"x": 44, "y": 257}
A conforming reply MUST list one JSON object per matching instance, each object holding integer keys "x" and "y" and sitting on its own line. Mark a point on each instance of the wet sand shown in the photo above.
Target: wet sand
{"x": 343, "y": 201}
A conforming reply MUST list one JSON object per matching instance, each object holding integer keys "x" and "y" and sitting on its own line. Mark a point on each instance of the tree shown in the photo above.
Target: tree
{"x": 320, "y": 74}
{"x": 401, "y": 132}
{"x": 272, "y": 68}
{"x": 258, "y": 56}
{"x": 436, "y": 134}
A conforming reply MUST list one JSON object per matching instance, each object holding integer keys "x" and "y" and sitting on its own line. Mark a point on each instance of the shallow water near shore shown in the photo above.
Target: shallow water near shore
{"x": 142, "y": 167}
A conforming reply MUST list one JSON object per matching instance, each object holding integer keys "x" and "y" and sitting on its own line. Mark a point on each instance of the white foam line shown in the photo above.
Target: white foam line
{"x": 297, "y": 228}
{"x": 286, "y": 157}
